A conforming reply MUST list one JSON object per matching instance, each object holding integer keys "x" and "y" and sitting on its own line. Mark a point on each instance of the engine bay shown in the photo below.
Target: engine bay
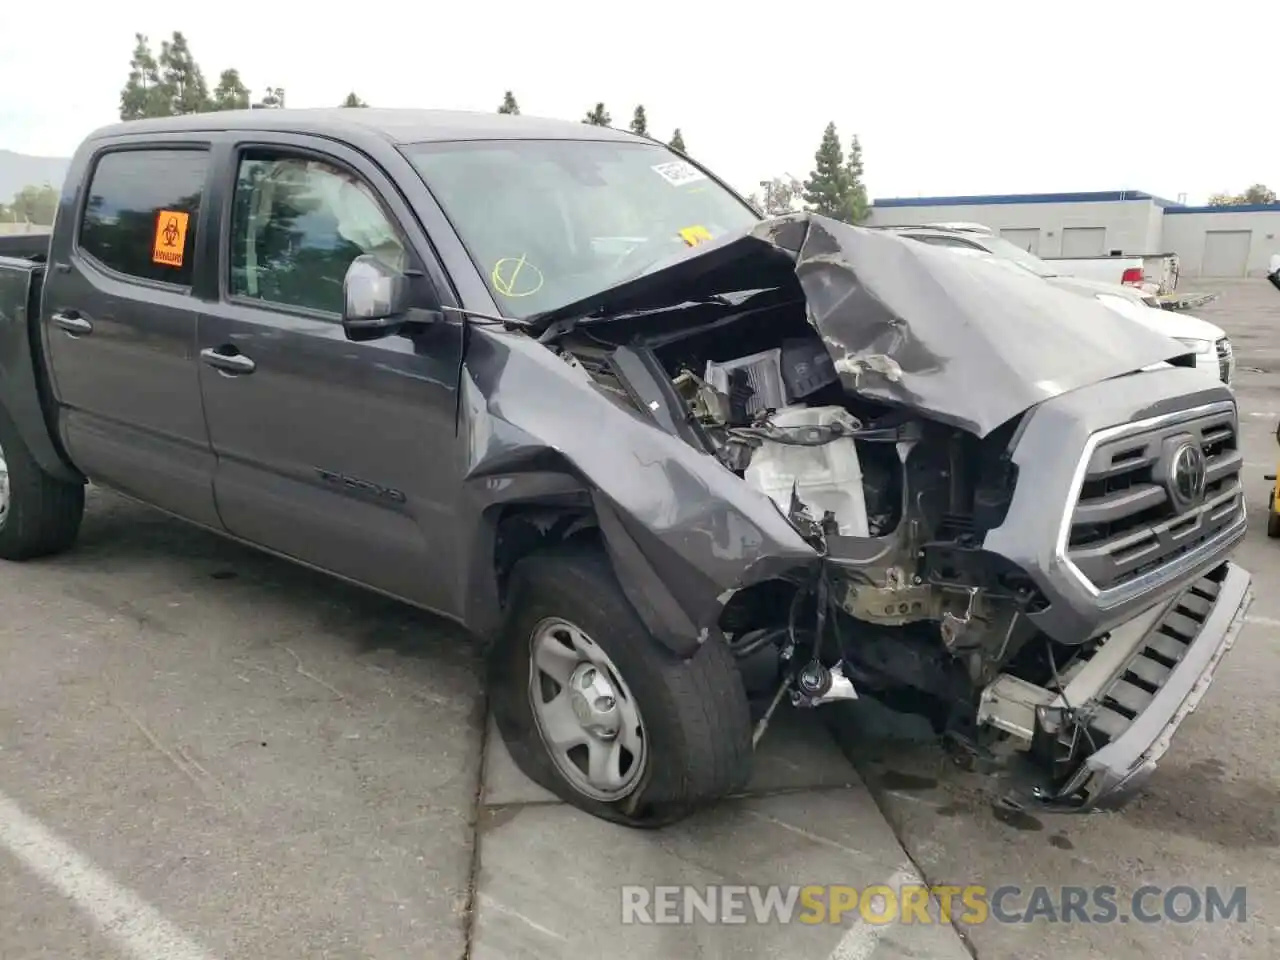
{"x": 907, "y": 606}
{"x": 897, "y": 505}
{"x": 882, "y": 399}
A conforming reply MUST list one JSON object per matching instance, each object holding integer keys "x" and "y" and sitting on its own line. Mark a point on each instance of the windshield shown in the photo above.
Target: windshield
{"x": 548, "y": 222}
{"x": 1002, "y": 248}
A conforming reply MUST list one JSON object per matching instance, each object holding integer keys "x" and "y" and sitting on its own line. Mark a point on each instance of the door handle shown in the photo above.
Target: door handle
{"x": 227, "y": 363}
{"x": 72, "y": 324}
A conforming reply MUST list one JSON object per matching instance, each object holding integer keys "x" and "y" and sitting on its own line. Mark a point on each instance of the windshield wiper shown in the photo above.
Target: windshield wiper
{"x": 513, "y": 323}
{"x": 643, "y": 270}
{"x": 566, "y": 325}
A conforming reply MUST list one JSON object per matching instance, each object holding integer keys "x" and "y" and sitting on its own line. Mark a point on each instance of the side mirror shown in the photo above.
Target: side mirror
{"x": 375, "y": 299}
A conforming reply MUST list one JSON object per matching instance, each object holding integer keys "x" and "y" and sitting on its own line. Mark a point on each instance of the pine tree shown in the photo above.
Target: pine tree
{"x": 353, "y": 101}
{"x": 677, "y": 142}
{"x": 598, "y": 116}
{"x": 825, "y": 191}
{"x": 856, "y": 204}
{"x": 143, "y": 94}
{"x": 183, "y": 81}
{"x": 639, "y": 122}
{"x": 230, "y": 93}
{"x": 509, "y": 105}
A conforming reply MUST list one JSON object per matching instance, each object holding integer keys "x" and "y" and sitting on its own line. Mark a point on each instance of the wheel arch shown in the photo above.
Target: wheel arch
{"x": 538, "y": 510}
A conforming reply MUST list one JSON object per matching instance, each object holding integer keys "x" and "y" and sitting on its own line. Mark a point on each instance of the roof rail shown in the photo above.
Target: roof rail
{"x": 961, "y": 227}
{"x": 938, "y": 227}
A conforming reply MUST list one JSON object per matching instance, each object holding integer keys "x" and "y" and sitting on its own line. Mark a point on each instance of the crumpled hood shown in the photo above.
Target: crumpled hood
{"x": 952, "y": 338}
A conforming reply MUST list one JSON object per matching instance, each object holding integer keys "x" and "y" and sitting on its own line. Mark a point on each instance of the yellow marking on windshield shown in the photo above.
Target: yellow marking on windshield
{"x": 516, "y": 277}
{"x": 695, "y": 235}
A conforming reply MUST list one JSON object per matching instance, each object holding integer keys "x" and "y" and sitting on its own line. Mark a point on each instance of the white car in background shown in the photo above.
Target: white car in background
{"x": 1209, "y": 343}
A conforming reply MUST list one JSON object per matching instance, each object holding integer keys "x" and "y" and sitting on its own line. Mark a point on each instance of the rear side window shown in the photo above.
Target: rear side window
{"x": 140, "y": 218}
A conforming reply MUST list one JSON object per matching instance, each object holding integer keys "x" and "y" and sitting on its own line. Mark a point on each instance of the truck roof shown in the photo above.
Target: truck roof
{"x": 924, "y": 228}
{"x": 395, "y": 126}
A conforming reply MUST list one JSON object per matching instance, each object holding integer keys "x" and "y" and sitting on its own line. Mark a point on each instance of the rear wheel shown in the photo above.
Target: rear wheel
{"x": 598, "y": 712}
{"x": 1273, "y": 521}
{"x": 39, "y": 514}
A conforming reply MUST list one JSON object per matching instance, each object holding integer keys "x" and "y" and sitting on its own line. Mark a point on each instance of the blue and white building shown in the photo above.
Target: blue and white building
{"x": 1209, "y": 241}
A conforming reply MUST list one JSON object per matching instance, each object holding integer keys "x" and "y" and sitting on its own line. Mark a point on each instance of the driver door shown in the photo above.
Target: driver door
{"x": 336, "y": 453}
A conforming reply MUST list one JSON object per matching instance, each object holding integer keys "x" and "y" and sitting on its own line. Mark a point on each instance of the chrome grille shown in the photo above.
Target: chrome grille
{"x": 1127, "y": 523}
{"x": 1225, "y": 359}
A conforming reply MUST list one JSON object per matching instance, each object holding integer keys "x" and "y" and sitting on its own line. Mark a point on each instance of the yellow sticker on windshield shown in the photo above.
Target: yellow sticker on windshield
{"x": 695, "y": 235}
{"x": 516, "y": 277}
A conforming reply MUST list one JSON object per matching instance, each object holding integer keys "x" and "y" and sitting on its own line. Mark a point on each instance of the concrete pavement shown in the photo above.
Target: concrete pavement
{"x": 550, "y": 878}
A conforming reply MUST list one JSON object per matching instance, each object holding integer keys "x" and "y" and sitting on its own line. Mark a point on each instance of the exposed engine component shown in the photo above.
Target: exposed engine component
{"x": 823, "y": 474}
{"x": 817, "y": 684}
{"x": 901, "y": 599}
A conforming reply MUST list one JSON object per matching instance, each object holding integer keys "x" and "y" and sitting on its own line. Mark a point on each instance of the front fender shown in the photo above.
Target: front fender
{"x": 681, "y": 531}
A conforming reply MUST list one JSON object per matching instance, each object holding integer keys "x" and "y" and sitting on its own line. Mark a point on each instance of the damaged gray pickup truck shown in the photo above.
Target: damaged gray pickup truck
{"x": 676, "y": 465}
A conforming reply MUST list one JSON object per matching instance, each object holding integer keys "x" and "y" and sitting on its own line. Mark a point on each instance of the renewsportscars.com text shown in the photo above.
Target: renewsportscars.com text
{"x": 919, "y": 903}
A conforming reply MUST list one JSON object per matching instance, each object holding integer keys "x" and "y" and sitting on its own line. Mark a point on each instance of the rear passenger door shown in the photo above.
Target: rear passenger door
{"x": 120, "y": 323}
{"x": 337, "y": 453}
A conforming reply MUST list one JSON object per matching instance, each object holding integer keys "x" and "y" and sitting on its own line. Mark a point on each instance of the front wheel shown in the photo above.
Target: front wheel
{"x": 595, "y": 710}
{"x": 1273, "y": 521}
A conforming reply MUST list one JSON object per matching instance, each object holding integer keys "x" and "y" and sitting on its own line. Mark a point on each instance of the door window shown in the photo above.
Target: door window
{"x": 140, "y": 216}
{"x": 296, "y": 225}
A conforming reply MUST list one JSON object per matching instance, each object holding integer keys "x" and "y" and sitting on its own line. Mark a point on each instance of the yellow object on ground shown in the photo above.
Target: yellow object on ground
{"x": 1273, "y": 512}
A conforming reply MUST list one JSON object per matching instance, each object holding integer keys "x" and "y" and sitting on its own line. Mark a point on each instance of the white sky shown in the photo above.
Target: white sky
{"x": 985, "y": 96}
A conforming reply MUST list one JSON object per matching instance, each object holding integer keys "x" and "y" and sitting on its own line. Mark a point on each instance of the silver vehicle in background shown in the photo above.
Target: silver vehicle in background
{"x": 1209, "y": 343}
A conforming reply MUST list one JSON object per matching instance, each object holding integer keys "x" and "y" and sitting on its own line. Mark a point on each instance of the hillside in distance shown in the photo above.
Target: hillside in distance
{"x": 18, "y": 170}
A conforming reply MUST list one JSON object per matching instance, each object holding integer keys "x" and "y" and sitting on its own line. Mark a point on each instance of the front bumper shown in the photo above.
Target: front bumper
{"x": 1109, "y": 777}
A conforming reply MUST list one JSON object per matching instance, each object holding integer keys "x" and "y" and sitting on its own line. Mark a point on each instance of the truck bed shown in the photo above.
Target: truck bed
{"x": 1159, "y": 270}
{"x": 26, "y": 246}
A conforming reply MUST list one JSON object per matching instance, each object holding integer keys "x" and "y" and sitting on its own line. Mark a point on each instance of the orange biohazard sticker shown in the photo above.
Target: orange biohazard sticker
{"x": 171, "y": 237}
{"x": 695, "y": 235}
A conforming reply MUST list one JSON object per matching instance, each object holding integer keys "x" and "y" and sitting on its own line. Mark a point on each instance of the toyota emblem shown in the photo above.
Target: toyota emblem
{"x": 1187, "y": 475}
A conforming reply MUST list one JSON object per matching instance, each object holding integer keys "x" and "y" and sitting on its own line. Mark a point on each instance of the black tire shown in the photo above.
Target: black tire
{"x": 1273, "y": 521}
{"x": 42, "y": 514}
{"x": 697, "y": 725}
